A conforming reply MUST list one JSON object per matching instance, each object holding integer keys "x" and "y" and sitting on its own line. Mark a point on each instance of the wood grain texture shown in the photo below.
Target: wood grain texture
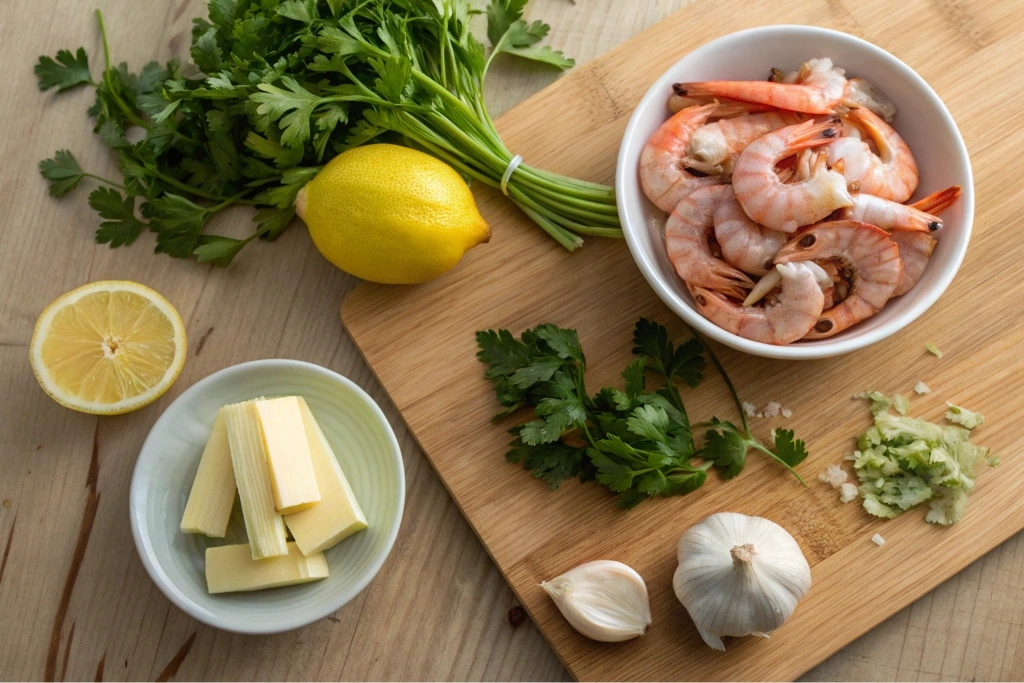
{"x": 437, "y": 609}
{"x": 419, "y": 342}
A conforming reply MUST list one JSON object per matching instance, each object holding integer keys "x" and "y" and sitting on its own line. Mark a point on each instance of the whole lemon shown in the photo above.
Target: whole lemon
{"x": 391, "y": 214}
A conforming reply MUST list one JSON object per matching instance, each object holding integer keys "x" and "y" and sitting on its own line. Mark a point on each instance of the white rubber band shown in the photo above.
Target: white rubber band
{"x": 509, "y": 170}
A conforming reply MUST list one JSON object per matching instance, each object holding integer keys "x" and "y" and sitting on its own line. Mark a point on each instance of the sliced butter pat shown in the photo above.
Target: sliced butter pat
{"x": 291, "y": 470}
{"x": 338, "y": 515}
{"x": 263, "y": 525}
{"x": 213, "y": 492}
{"x": 230, "y": 568}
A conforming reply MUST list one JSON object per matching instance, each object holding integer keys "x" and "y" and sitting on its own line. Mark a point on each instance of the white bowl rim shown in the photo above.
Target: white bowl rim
{"x": 827, "y": 347}
{"x": 328, "y": 606}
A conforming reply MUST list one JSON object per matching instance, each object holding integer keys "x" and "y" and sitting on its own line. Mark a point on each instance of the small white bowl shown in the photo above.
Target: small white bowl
{"x": 362, "y": 441}
{"x": 922, "y": 120}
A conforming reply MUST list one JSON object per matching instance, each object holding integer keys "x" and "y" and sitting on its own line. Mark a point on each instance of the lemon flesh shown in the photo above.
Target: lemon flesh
{"x": 391, "y": 214}
{"x": 108, "y": 347}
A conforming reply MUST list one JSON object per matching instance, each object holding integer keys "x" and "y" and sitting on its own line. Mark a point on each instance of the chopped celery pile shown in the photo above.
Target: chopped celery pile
{"x": 902, "y": 461}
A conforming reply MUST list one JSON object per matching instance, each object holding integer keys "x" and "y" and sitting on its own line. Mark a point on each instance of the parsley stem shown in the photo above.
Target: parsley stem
{"x": 755, "y": 444}
{"x": 125, "y": 109}
{"x": 103, "y": 180}
{"x": 561, "y": 235}
{"x": 185, "y": 187}
{"x": 728, "y": 382}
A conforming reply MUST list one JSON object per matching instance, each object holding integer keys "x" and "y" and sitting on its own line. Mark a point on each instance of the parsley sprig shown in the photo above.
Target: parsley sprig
{"x": 635, "y": 441}
{"x": 277, "y": 89}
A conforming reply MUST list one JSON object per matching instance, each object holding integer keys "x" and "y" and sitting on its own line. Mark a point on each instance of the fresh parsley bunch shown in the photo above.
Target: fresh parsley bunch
{"x": 635, "y": 441}
{"x": 277, "y": 89}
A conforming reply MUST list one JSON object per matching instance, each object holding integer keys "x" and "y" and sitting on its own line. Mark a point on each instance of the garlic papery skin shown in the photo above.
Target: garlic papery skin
{"x": 739, "y": 575}
{"x": 604, "y": 600}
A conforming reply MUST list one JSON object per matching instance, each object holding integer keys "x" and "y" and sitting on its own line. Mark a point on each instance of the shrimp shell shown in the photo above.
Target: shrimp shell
{"x": 745, "y": 244}
{"x": 892, "y": 216}
{"x": 890, "y": 174}
{"x": 788, "y": 206}
{"x": 867, "y": 250}
{"x": 789, "y": 317}
{"x": 915, "y": 248}
{"x": 715, "y": 146}
{"x": 888, "y": 215}
{"x": 663, "y": 177}
{"x": 686, "y": 240}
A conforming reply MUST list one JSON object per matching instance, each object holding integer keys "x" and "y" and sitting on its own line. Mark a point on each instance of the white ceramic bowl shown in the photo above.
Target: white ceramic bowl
{"x": 922, "y": 120}
{"x": 362, "y": 441}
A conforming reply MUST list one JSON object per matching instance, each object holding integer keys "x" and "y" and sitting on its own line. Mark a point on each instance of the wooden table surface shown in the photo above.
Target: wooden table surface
{"x": 75, "y": 601}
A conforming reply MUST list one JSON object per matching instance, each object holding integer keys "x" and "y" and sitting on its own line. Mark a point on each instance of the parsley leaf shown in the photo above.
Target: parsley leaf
{"x": 120, "y": 227}
{"x": 552, "y": 462}
{"x": 685, "y": 362}
{"x": 218, "y": 250}
{"x": 62, "y": 171}
{"x": 726, "y": 448}
{"x": 178, "y": 223}
{"x": 508, "y": 32}
{"x": 790, "y": 451}
{"x": 293, "y": 107}
{"x": 67, "y": 71}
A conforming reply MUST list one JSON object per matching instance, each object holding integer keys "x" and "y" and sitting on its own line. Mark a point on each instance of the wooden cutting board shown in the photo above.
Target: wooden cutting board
{"x": 419, "y": 341}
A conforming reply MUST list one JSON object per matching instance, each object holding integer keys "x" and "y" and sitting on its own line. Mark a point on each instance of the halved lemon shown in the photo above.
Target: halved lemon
{"x": 108, "y": 347}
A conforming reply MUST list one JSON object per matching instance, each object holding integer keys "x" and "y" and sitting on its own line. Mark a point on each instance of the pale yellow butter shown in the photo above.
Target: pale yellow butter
{"x": 338, "y": 515}
{"x": 230, "y": 568}
{"x": 263, "y": 525}
{"x": 291, "y": 469}
{"x": 213, "y": 491}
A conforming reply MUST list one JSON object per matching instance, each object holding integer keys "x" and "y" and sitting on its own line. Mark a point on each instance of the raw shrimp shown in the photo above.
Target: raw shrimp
{"x": 715, "y": 146}
{"x": 782, "y": 206}
{"x": 663, "y": 177}
{"x": 867, "y": 251}
{"x": 889, "y": 215}
{"x": 686, "y": 239}
{"x": 788, "y": 317}
{"x": 915, "y": 248}
{"x": 745, "y": 244}
{"x": 890, "y": 174}
{"x": 858, "y": 92}
{"x": 818, "y": 89}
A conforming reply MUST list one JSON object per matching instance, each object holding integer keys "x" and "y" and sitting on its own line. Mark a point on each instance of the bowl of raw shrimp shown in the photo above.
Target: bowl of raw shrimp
{"x": 795, "y": 192}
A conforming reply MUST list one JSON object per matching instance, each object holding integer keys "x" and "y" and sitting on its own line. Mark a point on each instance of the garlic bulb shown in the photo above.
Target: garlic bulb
{"x": 604, "y": 600}
{"x": 739, "y": 575}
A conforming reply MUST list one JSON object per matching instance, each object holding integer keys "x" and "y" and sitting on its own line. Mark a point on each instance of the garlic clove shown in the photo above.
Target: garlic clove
{"x": 713, "y": 641}
{"x": 604, "y": 600}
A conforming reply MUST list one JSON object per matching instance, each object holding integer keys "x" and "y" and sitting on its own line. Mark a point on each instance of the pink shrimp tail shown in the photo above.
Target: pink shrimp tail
{"x": 937, "y": 202}
{"x": 810, "y": 134}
